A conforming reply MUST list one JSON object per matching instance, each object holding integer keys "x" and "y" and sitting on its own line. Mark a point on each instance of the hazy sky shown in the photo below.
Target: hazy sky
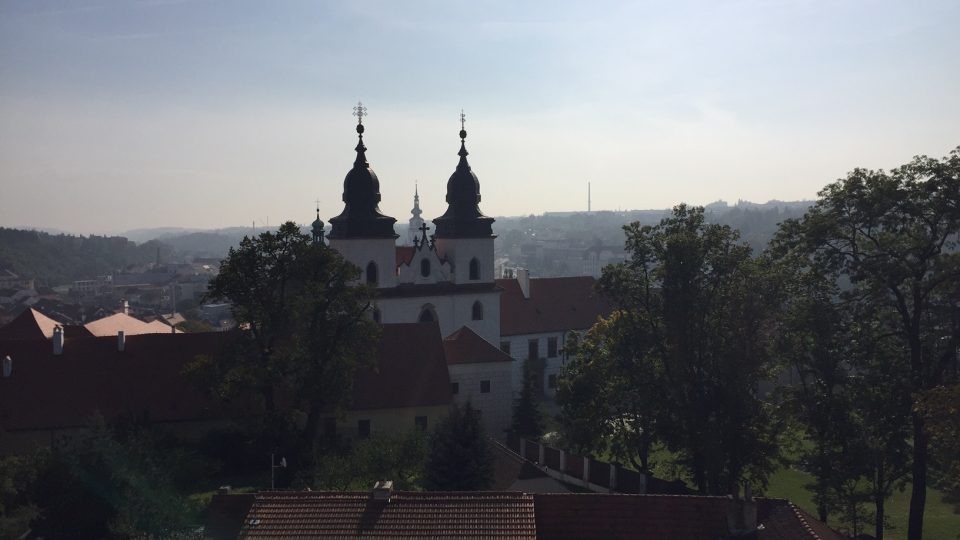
{"x": 125, "y": 114}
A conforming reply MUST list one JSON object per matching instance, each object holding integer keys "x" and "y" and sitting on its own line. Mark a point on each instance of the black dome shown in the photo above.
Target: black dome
{"x": 361, "y": 216}
{"x": 463, "y": 218}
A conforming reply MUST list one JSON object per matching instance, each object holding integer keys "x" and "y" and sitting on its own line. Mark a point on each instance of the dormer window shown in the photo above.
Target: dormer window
{"x": 372, "y": 273}
{"x": 425, "y": 267}
{"x": 474, "y": 269}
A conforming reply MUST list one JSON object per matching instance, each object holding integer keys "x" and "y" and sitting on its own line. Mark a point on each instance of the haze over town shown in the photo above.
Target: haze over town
{"x": 118, "y": 115}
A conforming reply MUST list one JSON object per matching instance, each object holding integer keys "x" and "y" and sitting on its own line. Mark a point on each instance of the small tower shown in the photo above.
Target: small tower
{"x": 416, "y": 222}
{"x": 316, "y": 229}
{"x": 361, "y": 233}
{"x": 464, "y": 235}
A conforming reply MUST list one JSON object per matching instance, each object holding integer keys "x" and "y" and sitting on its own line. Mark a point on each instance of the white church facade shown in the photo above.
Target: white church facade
{"x": 447, "y": 278}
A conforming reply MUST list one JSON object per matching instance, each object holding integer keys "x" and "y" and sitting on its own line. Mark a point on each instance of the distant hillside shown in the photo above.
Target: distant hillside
{"x": 60, "y": 259}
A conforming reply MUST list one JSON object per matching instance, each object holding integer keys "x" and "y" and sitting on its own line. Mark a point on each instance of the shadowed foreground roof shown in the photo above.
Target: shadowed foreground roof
{"x": 555, "y": 305}
{"x": 465, "y": 347}
{"x": 407, "y": 515}
{"x": 553, "y": 516}
{"x": 30, "y": 324}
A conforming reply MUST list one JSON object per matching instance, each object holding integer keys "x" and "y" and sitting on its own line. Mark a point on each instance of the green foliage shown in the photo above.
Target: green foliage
{"x": 17, "y": 510}
{"x": 888, "y": 243}
{"x": 682, "y": 358}
{"x": 191, "y": 326}
{"x": 357, "y": 467}
{"x": 305, "y": 326}
{"x": 459, "y": 457}
{"x": 61, "y": 259}
{"x": 528, "y": 420}
{"x": 940, "y": 407}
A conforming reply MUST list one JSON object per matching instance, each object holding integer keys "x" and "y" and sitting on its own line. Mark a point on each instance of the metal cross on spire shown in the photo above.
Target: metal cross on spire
{"x": 359, "y": 111}
{"x": 318, "y": 205}
{"x": 463, "y": 120}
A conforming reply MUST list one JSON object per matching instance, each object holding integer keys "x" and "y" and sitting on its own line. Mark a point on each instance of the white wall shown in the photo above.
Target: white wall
{"x": 553, "y": 366}
{"x": 438, "y": 271}
{"x": 497, "y": 405}
{"x": 453, "y": 311}
{"x": 459, "y": 251}
{"x": 360, "y": 251}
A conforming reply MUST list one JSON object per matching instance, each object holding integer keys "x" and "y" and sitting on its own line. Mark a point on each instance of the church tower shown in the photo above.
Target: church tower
{"x": 464, "y": 236}
{"x": 361, "y": 233}
{"x": 416, "y": 221}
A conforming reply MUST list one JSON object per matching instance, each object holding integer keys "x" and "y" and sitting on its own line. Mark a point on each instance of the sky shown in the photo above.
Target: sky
{"x": 116, "y": 115}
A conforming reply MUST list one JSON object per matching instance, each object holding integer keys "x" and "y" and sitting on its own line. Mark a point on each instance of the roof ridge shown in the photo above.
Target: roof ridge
{"x": 799, "y": 513}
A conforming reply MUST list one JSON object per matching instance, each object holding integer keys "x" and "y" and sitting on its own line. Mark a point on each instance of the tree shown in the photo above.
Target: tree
{"x": 892, "y": 238}
{"x": 305, "y": 326}
{"x": 695, "y": 307}
{"x": 940, "y": 407}
{"x": 528, "y": 421}
{"x": 396, "y": 457}
{"x": 459, "y": 457}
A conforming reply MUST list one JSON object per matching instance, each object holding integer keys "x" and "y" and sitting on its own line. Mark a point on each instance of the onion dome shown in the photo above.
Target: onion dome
{"x": 463, "y": 218}
{"x": 361, "y": 216}
{"x": 316, "y": 228}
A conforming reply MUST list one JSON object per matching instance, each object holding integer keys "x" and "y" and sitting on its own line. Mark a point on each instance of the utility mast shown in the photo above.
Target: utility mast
{"x": 588, "y": 197}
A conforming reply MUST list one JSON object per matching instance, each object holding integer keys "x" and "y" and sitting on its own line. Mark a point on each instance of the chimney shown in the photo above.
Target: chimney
{"x": 523, "y": 277}
{"x": 7, "y": 366}
{"x": 121, "y": 340}
{"x": 58, "y": 340}
{"x": 124, "y": 307}
{"x": 742, "y": 517}
{"x": 382, "y": 490}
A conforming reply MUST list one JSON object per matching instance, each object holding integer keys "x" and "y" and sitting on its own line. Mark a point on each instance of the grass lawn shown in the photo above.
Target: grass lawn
{"x": 940, "y": 522}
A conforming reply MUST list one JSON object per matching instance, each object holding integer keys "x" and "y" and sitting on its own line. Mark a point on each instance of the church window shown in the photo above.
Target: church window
{"x": 474, "y": 268}
{"x": 484, "y": 387}
{"x": 372, "y": 273}
{"x": 425, "y": 267}
{"x": 427, "y": 314}
{"x": 477, "y": 311}
{"x": 363, "y": 429}
{"x": 551, "y": 347}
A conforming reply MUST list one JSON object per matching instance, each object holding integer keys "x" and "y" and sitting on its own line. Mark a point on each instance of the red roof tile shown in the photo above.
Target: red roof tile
{"x": 489, "y": 515}
{"x": 30, "y": 324}
{"x": 405, "y": 254}
{"x": 411, "y": 370}
{"x": 131, "y": 326}
{"x": 465, "y": 347}
{"x": 555, "y": 304}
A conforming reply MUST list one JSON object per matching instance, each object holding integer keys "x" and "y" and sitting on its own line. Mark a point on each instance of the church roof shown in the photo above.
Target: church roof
{"x": 465, "y": 347}
{"x": 405, "y": 254}
{"x": 361, "y": 216}
{"x": 463, "y": 218}
{"x": 443, "y": 288}
{"x": 555, "y": 304}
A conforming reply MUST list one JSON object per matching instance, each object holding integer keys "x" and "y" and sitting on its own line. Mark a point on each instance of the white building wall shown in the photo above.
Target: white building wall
{"x": 360, "y": 251}
{"x": 453, "y": 311}
{"x": 552, "y": 366}
{"x": 496, "y": 405}
{"x": 439, "y": 271}
{"x": 459, "y": 251}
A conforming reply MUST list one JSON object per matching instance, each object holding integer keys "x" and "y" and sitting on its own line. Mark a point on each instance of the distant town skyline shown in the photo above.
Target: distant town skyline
{"x": 207, "y": 113}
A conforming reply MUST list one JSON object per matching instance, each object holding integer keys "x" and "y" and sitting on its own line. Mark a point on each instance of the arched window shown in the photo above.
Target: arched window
{"x": 474, "y": 268}
{"x": 427, "y": 314}
{"x": 376, "y": 314}
{"x": 477, "y": 311}
{"x": 425, "y": 267}
{"x": 372, "y": 273}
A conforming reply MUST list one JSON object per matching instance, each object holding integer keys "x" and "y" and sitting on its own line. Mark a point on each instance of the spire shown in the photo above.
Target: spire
{"x": 361, "y": 216}
{"x": 317, "y": 227}
{"x": 463, "y": 218}
{"x": 415, "y": 220}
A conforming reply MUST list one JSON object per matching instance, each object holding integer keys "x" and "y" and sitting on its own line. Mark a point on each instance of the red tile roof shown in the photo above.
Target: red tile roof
{"x": 555, "y": 304}
{"x": 465, "y": 347}
{"x": 411, "y": 370}
{"x": 30, "y": 324}
{"x": 405, "y": 254}
{"x": 677, "y": 517}
{"x": 489, "y": 515}
{"x": 131, "y": 326}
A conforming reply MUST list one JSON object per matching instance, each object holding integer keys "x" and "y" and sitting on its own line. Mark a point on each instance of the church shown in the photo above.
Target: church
{"x": 490, "y": 326}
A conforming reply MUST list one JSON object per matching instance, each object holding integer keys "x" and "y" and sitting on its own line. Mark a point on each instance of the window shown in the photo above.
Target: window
{"x": 551, "y": 347}
{"x": 363, "y": 429}
{"x": 427, "y": 314}
{"x": 425, "y": 267}
{"x": 454, "y": 388}
{"x": 376, "y": 315}
{"x": 474, "y": 268}
{"x": 552, "y": 381}
{"x": 420, "y": 422}
{"x": 505, "y": 346}
{"x": 372, "y": 273}
{"x": 477, "y": 311}
{"x": 329, "y": 427}
{"x": 484, "y": 387}
{"x": 533, "y": 349}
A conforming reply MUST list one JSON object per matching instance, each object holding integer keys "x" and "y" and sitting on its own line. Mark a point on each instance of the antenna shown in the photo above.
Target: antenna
{"x": 588, "y": 197}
